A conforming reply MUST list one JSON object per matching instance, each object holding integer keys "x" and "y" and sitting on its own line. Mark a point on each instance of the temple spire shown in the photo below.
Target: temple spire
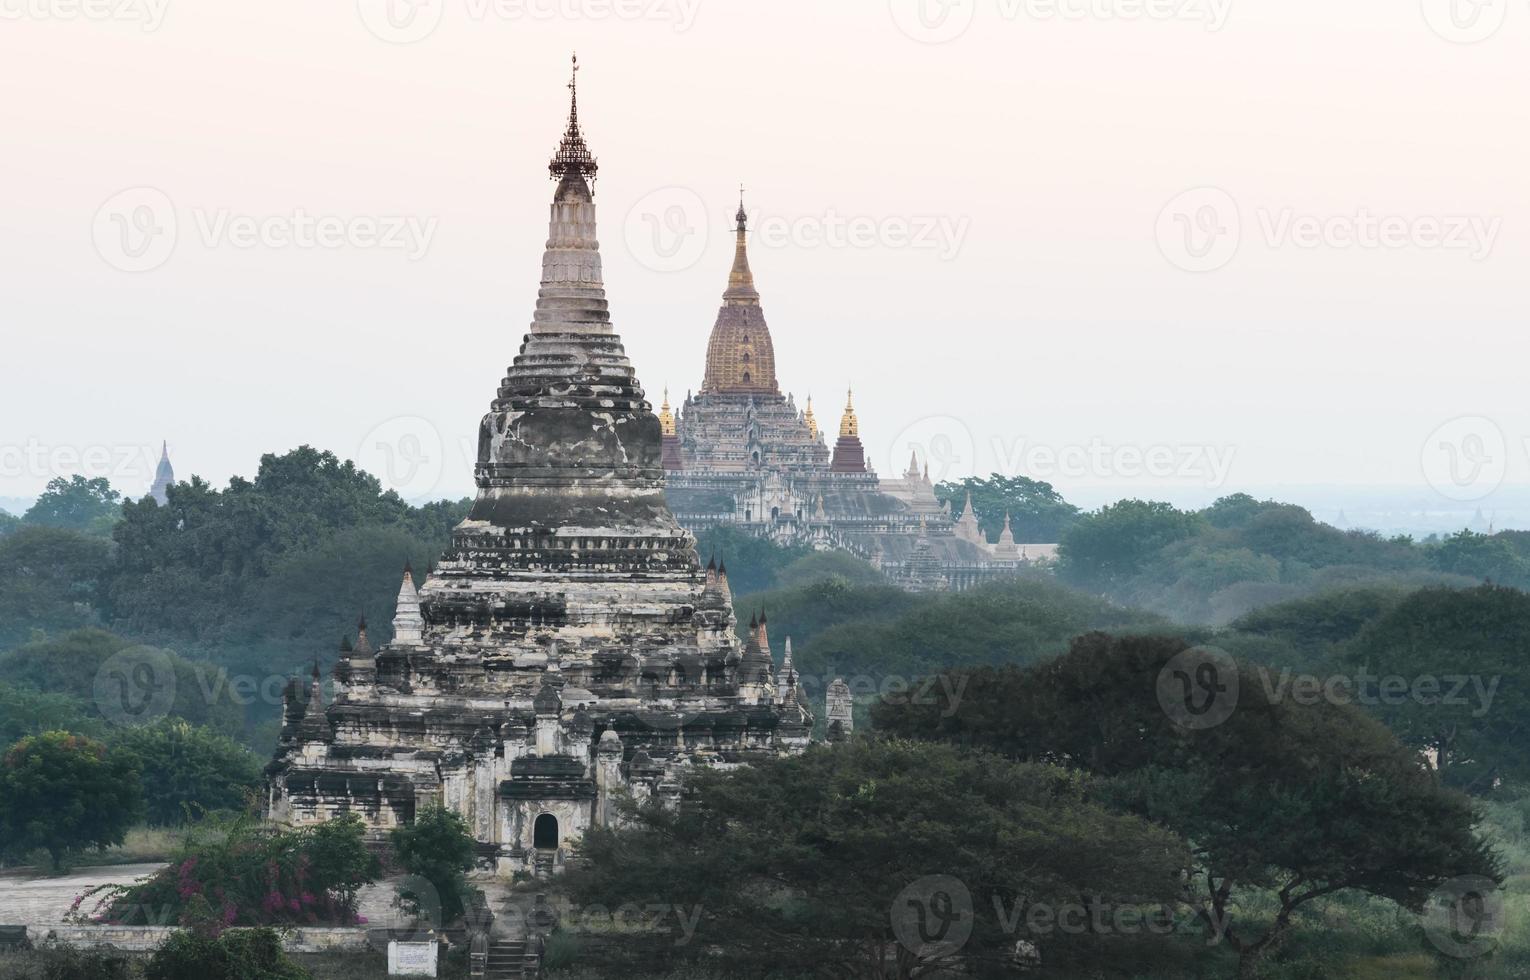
{"x": 741, "y": 291}
{"x": 573, "y": 156}
{"x": 666, "y": 416}
{"x": 848, "y": 424}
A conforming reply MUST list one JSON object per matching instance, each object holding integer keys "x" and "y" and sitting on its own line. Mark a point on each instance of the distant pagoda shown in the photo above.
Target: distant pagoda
{"x": 568, "y": 647}
{"x": 164, "y": 477}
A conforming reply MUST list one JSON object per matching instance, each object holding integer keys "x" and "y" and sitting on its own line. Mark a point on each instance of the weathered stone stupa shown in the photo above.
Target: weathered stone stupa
{"x": 569, "y": 645}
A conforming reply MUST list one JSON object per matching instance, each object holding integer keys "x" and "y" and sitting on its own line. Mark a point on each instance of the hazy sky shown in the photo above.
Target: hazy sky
{"x": 1206, "y": 244}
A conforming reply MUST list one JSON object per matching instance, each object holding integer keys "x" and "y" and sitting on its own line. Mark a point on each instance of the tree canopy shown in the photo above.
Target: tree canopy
{"x": 75, "y": 503}
{"x": 1302, "y": 798}
{"x": 846, "y": 858}
{"x": 1037, "y": 512}
{"x": 61, "y": 793}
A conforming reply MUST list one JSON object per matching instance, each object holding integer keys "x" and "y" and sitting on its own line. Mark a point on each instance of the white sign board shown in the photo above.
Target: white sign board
{"x": 412, "y": 959}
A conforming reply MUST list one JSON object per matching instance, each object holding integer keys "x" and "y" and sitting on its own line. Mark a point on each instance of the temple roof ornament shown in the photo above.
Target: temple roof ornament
{"x": 848, "y": 424}
{"x": 808, "y": 417}
{"x": 573, "y": 154}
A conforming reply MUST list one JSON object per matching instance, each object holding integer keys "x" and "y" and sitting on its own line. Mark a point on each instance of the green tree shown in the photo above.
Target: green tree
{"x": 259, "y": 577}
{"x": 1104, "y": 549}
{"x": 53, "y": 580}
{"x": 1463, "y": 653}
{"x": 1480, "y": 557}
{"x": 800, "y": 865}
{"x": 1298, "y": 800}
{"x": 189, "y": 772}
{"x": 439, "y": 848}
{"x": 81, "y": 665}
{"x": 1038, "y": 513}
{"x": 8, "y": 522}
{"x": 25, "y": 711}
{"x": 77, "y": 504}
{"x": 753, "y": 563}
{"x": 62, "y": 792}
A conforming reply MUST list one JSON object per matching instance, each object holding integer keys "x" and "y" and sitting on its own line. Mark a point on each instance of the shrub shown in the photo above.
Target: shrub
{"x": 244, "y": 954}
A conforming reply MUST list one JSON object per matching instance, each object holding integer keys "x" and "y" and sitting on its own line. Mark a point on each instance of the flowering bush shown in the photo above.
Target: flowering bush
{"x": 256, "y": 877}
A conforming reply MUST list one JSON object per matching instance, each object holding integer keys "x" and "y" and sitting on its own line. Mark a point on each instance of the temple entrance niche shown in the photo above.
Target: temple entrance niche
{"x": 544, "y": 833}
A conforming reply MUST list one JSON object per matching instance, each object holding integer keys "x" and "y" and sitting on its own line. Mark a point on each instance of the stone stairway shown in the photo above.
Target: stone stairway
{"x": 507, "y": 961}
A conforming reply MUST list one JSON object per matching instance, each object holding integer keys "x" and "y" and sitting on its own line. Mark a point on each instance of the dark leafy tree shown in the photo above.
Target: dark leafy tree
{"x": 1464, "y": 655}
{"x": 81, "y": 665}
{"x": 25, "y": 711}
{"x": 801, "y": 865}
{"x": 437, "y": 847}
{"x": 1482, "y": 557}
{"x": 1301, "y": 800}
{"x": 77, "y": 504}
{"x": 189, "y": 772}
{"x": 1104, "y": 549}
{"x": 1037, "y": 512}
{"x": 753, "y": 563}
{"x": 61, "y": 793}
{"x": 53, "y": 581}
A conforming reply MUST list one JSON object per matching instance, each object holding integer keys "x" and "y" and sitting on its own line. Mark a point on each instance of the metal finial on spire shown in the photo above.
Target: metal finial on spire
{"x": 573, "y": 154}
{"x": 742, "y": 217}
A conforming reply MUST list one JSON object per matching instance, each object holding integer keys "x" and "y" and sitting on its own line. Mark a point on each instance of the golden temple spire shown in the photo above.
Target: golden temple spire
{"x": 848, "y": 426}
{"x": 741, "y": 291}
{"x": 666, "y": 416}
{"x": 812, "y": 422}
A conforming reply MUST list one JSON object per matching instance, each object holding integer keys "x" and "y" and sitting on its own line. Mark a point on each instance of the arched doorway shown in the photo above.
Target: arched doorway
{"x": 544, "y": 833}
